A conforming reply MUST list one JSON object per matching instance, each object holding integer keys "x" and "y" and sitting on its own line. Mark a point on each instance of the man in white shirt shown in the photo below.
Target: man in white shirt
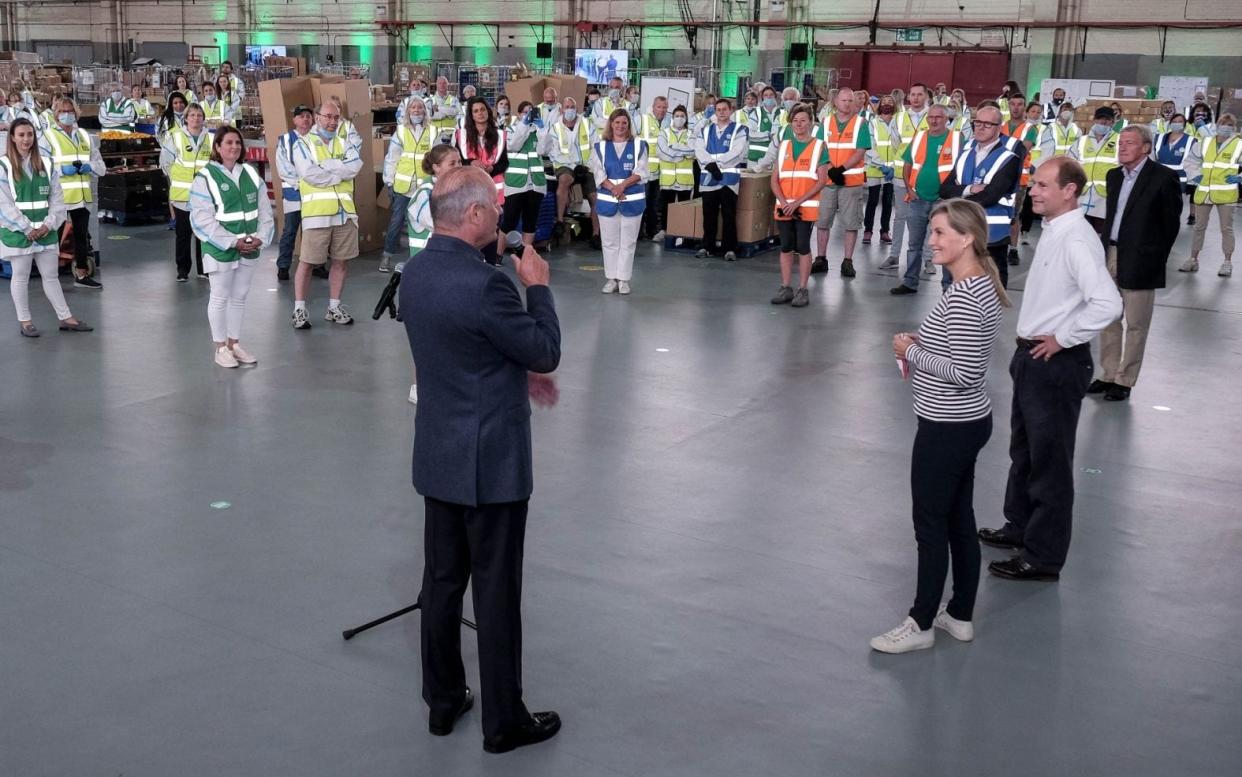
{"x": 1069, "y": 299}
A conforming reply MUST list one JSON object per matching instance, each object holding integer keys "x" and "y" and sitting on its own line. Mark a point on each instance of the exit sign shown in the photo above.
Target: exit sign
{"x": 909, "y": 34}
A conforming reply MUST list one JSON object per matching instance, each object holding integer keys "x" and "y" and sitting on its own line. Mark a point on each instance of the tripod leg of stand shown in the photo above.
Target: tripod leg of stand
{"x": 349, "y": 634}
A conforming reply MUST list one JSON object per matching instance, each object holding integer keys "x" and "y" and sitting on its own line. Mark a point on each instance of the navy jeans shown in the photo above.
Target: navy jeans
{"x": 396, "y": 221}
{"x": 288, "y": 236}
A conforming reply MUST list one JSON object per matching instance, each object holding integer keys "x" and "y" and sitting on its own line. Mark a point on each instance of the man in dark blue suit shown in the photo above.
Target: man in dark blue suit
{"x": 474, "y": 343}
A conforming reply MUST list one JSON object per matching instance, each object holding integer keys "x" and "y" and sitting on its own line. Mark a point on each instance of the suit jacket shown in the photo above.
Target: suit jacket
{"x": 1148, "y": 227}
{"x": 473, "y": 342}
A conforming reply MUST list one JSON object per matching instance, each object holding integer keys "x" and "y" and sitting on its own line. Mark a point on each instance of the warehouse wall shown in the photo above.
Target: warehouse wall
{"x": 346, "y": 29}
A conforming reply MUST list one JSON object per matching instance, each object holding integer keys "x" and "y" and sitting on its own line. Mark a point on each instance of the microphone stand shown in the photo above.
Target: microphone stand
{"x": 349, "y": 634}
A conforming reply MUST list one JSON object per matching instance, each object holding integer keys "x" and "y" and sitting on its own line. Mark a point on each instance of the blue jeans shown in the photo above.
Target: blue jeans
{"x": 288, "y": 236}
{"x": 396, "y": 220}
{"x": 917, "y": 214}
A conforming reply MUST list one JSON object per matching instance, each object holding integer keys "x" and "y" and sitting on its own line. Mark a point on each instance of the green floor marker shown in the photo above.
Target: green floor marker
{"x": 221, "y": 505}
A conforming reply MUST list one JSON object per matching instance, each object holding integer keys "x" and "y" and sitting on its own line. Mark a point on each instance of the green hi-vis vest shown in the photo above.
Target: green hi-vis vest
{"x": 320, "y": 201}
{"x": 237, "y": 205}
{"x": 525, "y": 166}
{"x": 32, "y": 196}
{"x": 418, "y": 237}
{"x": 410, "y": 165}
{"x": 188, "y": 162}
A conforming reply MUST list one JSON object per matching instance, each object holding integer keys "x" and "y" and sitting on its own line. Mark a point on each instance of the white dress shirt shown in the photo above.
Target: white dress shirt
{"x": 1128, "y": 177}
{"x": 1069, "y": 292}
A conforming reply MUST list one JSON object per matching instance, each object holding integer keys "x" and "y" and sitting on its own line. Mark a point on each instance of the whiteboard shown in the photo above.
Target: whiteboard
{"x": 1181, "y": 89}
{"x": 1077, "y": 90}
{"x": 679, "y": 91}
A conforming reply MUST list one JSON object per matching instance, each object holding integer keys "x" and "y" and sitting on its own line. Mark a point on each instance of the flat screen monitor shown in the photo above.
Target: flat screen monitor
{"x": 598, "y": 66}
{"x": 255, "y": 54}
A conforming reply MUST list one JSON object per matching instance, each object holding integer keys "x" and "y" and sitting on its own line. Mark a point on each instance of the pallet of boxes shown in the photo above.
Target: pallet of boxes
{"x": 756, "y": 228}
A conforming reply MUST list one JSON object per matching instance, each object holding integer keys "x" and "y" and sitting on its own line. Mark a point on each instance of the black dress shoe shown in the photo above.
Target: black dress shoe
{"x": 541, "y": 727}
{"x": 282, "y": 273}
{"x": 998, "y": 538}
{"x": 902, "y": 289}
{"x": 1018, "y": 569}
{"x": 1099, "y": 386}
{"x": 1116, "y": 393}
{"x": 442, "y": 725}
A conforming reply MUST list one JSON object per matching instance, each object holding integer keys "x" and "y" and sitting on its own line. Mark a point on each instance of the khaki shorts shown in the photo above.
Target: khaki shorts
{"x": 848, "y": 201}
{"x": 337, "y": 243}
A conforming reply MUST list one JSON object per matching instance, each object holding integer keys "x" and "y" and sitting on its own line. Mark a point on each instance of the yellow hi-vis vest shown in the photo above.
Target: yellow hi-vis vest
{"x": 410, "y": 166}
{"x": 66, "y": 150}
{"x": 1064, "y": 138}
{"x": 1096, "y": 164}
{"x": 583, "y": 135}
{"x": 649, "y": 130}
{"x": 1219, "y": 162}
{"x": 326, "y": 201}
{"x": 188, "y": 162}
{"x": 906, "y": 130}
{"x": 681, "y": 172}
{"x": 882, "y": 145}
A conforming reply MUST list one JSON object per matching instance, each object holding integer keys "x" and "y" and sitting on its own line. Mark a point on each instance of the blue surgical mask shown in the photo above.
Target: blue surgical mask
{"x": 211, "y": 98}
{"x": 1100, "y": 130}
{"x": 326, "y": 134}
{"x": 789, "y": 104}
{"x": 416, "y": 118}
{"x": 679, "y": 122}
{"x": 1224, "y": 131}
{"x": 66, "y": 118}
{"x": 614, "y": 94}
{"x": 1177, "y": 126}
{"x": 419, "y": 93}
{"x": 769, "y": 103}
{"x": 117, "y": 97}
{"x": 502, "y": 111}
{"x": 571, "y": 114}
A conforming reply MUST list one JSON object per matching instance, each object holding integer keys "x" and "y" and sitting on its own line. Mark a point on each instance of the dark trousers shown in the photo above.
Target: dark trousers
{"x": 653, "y": 220}
{"x": 1027, "y": 217}
{"x": 942, "y": 487}
{"x": 1039, "y": 498}
{"x": 667, "y": 196}
{"x": 288, "y": 236}
{"x": 185, "y": 233}
{"x": 80, "y": 220}
{"x": 718, "y": 204}
{"x": 881, "y": 195}
{"x": 484, "y": 543}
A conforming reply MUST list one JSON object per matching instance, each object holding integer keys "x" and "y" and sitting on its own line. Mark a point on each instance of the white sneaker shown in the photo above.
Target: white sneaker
{"x": 1226, "y": 269}
{"x": 730, "y": 256}
{"x": 1190, "y": 265}
{"x": 906, "y": 637}
{"x": 242, "y": 356}
{"x": 962, "y": 631}
{"x": 929, "y": 268}
{"x": 658, "y": 237}
{"x": 224, "y": 357}
{"x": 413, "y": 393}
{"x": 301, "y": 319}
{"x": 891, "y": 263}
{"x": 609, "y": 287}
{"x": 623, "y": 287}
{"x": 338, "y": 315}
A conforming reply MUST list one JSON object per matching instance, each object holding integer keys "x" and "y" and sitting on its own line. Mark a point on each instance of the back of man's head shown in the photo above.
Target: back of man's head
{"x": 456, "y": 193}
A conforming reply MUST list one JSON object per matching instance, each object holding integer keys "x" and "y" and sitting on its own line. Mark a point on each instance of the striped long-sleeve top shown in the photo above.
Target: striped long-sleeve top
{"x": 949, "y": 363}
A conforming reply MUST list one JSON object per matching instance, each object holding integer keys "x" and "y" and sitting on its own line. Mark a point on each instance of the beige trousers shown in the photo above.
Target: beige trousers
{"x": 1122, "y": 343}
{"x": 1203, "y": 214}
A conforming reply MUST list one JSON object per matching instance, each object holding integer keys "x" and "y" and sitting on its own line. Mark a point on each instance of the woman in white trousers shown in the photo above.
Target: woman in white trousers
{"x": 231, "y": 215}
{"x": 619, "y": 164}
{"x": 32, "y": 208}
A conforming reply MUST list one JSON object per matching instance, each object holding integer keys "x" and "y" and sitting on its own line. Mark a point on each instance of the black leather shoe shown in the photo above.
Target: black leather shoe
{"x": 282, "y": 273}
{"x": 901, "y": 289}
{"x": 1099, "y": 386}
{"x": 541, "y": 727}
{"x": 997, "y": 538}
{"x": 442, "y": 725}
{"x": 1117, "y": 393}
{"x": 1018, "y": 569}
{"x": 820, "y": 265}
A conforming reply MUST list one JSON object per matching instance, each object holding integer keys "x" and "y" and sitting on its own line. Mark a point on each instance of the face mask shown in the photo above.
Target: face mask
{"x": 326, "y": 134}
{"x": 1200, "y": 121}
{"x": 1065, "y": 118}
{"x": 886, "y": 110}
{"x": 66, "y": 118}
{"x": 710, "y": 111}
{"x": 789, "y": 104}
{"x": 633, "y": 99}
{"x": 1167, "y": 112}
{"x": 211, "y": 98}
{"x": 679, "y": 122}
{"x": 116, "y": 97}
{"x": 1100, "y": 130}
{"x": 1224, "y": 132}
{"x": 1177, "y": 126}
{"x": 1057, "y": 101}
{"x": 571, "y": 114}
{"x": 614, "y": 94}
{"x": 950, "y": 113}
{"x": 416, "y": 119}
{"x": 769, "y": 103}
{"x": 420, "y": 92}
{"x": 502, "y": 111}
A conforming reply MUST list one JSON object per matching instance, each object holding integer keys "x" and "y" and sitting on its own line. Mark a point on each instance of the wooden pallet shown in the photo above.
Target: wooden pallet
{"x": 744, "y": 250}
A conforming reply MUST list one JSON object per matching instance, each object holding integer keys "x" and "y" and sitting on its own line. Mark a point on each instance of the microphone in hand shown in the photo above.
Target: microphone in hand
{"x": 531, "y": 268}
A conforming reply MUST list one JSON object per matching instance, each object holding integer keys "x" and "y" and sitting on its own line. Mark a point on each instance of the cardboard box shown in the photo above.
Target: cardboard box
{"x": 405, "y": 72}
{"x": 754, "y": 225}
{"x": 685, "y": 219}
{"x": 755, "y": 192}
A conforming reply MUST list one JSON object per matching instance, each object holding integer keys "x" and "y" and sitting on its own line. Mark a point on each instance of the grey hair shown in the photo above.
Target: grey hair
{"x": 456, "y": 191}
{"x": 1140, "y": 130}
{"x": 941, "y": 108}
{"x": 1232, "y": 119}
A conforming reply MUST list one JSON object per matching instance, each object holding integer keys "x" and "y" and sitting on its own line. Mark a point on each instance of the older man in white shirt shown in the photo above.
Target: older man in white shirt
{"x": 1069, "y": 299}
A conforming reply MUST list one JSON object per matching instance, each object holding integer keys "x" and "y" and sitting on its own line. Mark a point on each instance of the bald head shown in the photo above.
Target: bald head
{"x": 463, "y": 204}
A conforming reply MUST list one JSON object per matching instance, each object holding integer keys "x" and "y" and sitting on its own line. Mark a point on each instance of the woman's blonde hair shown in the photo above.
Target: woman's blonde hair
{"x": 969, "y": 219}
{"x": 618, "y": 113}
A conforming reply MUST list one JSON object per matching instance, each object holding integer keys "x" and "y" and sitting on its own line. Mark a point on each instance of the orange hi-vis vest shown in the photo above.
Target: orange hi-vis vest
{"x": 944, "y": 164}
{"x": 797, "y": 176}
{"x": 841, "y": 147}
{"x": 1019, "y": 134}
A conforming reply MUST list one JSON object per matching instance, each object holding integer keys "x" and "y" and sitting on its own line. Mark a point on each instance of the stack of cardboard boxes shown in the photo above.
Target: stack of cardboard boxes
{"x": 531, "y": 88}
{"x": 755, "y": 205}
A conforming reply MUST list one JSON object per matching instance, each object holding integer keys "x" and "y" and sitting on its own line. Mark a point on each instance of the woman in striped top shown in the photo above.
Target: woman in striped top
{"x": 948, "y": 362}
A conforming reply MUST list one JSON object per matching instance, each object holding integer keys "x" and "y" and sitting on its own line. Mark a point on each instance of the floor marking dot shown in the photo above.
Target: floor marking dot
{"x": 273, "y": 289}
{"x": 221, "y": 505}
{"x": 1161, "y": 408}
{"x": 661, "y": 350}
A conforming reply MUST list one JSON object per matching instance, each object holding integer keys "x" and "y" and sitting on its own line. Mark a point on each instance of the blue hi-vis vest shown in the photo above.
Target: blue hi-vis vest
{"x": 618, "y": 168}
{"x": 720, "y": 144}
{"x": 1173, "y": 155}
{"x": 290, "y": 191}
{"x": 1000, "y": 215}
